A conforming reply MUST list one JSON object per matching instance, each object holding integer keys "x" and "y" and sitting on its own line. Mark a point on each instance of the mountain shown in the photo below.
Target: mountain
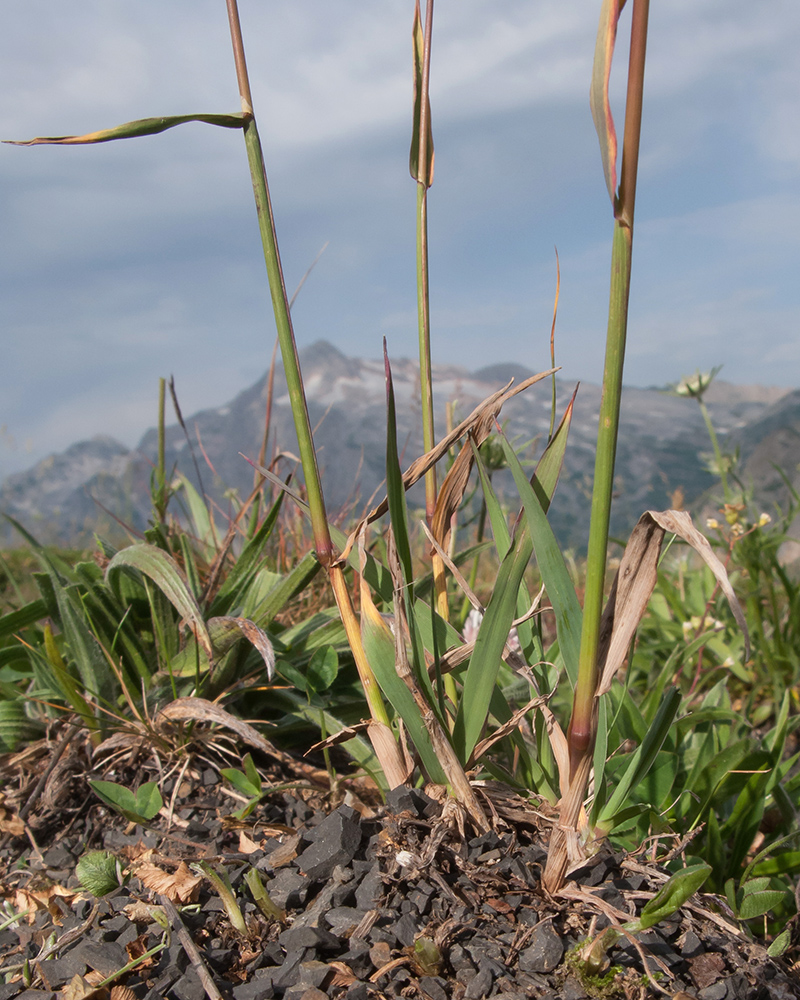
{"x": 662, "y": 437}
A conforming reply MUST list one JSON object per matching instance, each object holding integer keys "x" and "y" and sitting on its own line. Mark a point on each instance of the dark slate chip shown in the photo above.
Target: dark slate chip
{"x": 433, "y": 987}
{"x": 517, "y": 868}
{"x": 34, "y": 994}
{"x": 357, "y": 991}
{"x": 544, "y": 951}
{"x": 315, "y": 938}
{"x": 188, "y": 987}
{"x": 289, "y": 973}
{"x": 357, "y": 957}
{"x": 288, "y": 888}
{"x": 480, "y": 985}
{"x": 343, "y": 920}
{"x": 57, "y": 971}
{"x": 58, "y": 856}
{"x": 572, "y": 989}
{"x": 305, "y": 993}
{"x": 690, "y": 945}
{"x": 370, "y": 889}
{"x": 106, "y": 958}
{"x": 336, "y": 840}
{"x": 313, "y": 973}
{"x": 411, "y": 800}
{"x": 716, "y": 991}
{"x": 406, "y": 930}
{"x": 256, "y": 989}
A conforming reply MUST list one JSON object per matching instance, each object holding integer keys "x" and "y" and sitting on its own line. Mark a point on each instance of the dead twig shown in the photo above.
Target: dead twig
{"x": 190, "y": 948}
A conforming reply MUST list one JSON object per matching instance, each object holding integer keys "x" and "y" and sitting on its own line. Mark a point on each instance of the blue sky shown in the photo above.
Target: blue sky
{"x": 136, "y": 259}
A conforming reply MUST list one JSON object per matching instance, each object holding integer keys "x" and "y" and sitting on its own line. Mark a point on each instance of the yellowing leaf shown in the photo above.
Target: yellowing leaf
{"x": 130, "y": 130}
{"x": 598, "y": 95}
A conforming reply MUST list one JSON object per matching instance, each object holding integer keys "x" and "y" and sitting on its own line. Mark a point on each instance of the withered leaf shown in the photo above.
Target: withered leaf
{"x": 180, "y": 887}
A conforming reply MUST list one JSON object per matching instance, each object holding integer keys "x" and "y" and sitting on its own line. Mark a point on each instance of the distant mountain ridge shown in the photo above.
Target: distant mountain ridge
{"x": 662, "y": 438}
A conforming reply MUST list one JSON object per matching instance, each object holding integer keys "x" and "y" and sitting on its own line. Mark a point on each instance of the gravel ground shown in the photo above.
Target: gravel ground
{"x": 375, "y": 900}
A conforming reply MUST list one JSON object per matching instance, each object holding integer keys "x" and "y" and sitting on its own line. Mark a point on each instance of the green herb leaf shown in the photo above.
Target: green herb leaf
{"x": 98, "y": 872}
{"x": 671, "y": 896}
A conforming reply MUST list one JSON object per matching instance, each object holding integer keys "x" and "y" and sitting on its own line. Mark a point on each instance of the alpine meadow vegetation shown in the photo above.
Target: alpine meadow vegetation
{"x": 651, "y": 703}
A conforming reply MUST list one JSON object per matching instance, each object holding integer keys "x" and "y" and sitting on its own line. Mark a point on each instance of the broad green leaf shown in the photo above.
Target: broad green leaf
{"x": 67, "y": 684}
{"x": 357, "y": 747}
{"x": 248, "y": 564}
{"x": 294, "y": 581}
{"x": 756, "y": 904}
{"x": 497, "y": 518}
{"x": 250, "y": 770}
{"x": 706, "y": 780}
{"x": 781, "y": 943}
{"x": 671, "y": 897}
{"x": 16, "y": 728}
{"x": 98, "y": 872}
{"x": 787, "y": 861}
{"x": 190, "y": 567}
{"x": 742, "y": 825}
{"x": 241, "y": 782}
{"x": 398, "y": 514}
{"x": 165, "y": 573}
{"x": 93, "y": 668}
{"x": 202, "y": 524}
{"x": 148, "y": 800}
{"x": 322, "y": 670}
{"x": 142, "y": 126}
{"x": 138, "y": 808}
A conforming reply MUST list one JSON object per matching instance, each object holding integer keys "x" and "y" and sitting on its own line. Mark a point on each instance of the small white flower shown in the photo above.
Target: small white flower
{"x": 712, "y": 523}
{"x": 764, "y": 519}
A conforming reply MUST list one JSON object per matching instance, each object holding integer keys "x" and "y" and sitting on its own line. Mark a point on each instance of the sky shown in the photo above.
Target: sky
{"x": 131, "y": 260}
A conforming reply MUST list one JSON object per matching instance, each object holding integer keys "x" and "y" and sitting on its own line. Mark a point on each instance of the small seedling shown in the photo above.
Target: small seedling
{"x": 262, "y": 898}
{"x": 668, "y": 900}
{"x": 753, "y": 897}
{"x": 222, "y": 884}
{"x": 138, "y": 807}
{"x": 247, "y": 782}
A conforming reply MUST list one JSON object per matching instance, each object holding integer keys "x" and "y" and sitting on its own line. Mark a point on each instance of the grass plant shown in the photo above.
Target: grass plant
{"x": 666, "y": 730}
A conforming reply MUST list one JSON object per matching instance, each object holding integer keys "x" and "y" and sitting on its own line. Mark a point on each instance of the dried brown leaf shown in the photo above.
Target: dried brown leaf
{"x": 137, "y": 948}
{"x": 180, "y": 887}
{"x": 285, "y": 854}
{"x": 122, "y": 993}
{"x": 488, "y": 410}
{"x": 246, "y": 845}
{"x": 79, "y": 988}
{"x": 507, "y": 727}
{"x": 139, "y": 912}
{"x": 341, "y": 737}
{"x": 201, "y": 710}
{"x": 636, "y": 578}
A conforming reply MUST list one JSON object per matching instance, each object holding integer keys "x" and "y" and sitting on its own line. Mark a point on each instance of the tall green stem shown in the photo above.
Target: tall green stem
{"x": 387, "y": 752}
{"x": 424, "y": 181}
{"x": 283, "y": 320}
{"x": 582, "y": 728}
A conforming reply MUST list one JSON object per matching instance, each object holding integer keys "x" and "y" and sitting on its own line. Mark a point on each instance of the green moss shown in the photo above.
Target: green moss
{"x": 603, "y": 987}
